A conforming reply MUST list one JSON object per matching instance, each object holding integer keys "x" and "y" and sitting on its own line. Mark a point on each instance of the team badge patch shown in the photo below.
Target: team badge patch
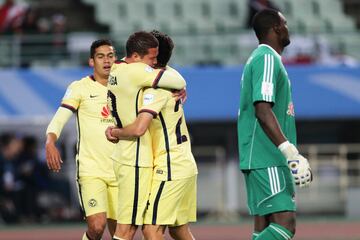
{"x": 148, "y": 99}
{"x": 92, "y": 202}
{"x": 267, "y": 88}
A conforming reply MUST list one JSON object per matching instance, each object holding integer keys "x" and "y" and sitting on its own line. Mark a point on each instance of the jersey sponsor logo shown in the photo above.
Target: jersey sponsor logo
{"x": 148, "y": 69}
{"x": 67, "y": 94}
{"x": 148, "y": 99}
{"x": 105, "y": 112}
{"x": 291, "y": 110}
{"x": 93, "y": 96}
{"x": 92, "y": 202}
{"x": 112, "y": 80}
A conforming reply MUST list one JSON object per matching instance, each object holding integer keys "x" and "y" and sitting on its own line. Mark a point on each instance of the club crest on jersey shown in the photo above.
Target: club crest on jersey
{"x": 291, "y": 110}
{"x": 148, "y": 99}
{"x": 112, "y": 80}
{"x": 92, "y": 202}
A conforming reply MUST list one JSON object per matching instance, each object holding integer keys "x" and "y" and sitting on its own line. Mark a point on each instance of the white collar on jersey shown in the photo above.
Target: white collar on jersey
{"x": 277, "y": 54}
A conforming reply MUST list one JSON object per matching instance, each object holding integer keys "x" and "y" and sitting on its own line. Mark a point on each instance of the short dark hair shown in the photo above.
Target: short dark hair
{"x": 264, "y": 20}
{"x": 140, "y": 42}
{"x": 99, "y": 43}
{"x": 166, "y": 45}
{"x": 5, "y": 139}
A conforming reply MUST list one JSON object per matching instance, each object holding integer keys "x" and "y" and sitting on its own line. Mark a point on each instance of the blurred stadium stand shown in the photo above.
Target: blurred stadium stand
{"x": 205, "y": 32}
{"x": 323, "y": 64}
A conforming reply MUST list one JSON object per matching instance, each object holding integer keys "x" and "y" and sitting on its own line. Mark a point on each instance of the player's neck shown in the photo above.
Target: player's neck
{"x": 101, "y": 80}
{"x": 274, "y": 45}
{"x": 129, "y": 60}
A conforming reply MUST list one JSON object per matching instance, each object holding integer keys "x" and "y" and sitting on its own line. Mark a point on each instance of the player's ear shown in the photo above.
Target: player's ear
{"x": 136, "y": 57}
{"x": 277, "y": 29}
{"x": 91, "y": 62}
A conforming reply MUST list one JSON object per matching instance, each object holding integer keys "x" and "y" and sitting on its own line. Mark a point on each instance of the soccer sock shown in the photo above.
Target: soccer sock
{"x": 275, "y": 232}
{"x": 254, "y": 235}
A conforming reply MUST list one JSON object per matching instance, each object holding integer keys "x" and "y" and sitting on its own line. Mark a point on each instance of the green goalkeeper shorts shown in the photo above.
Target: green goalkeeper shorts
{"x": 270, "y": 190}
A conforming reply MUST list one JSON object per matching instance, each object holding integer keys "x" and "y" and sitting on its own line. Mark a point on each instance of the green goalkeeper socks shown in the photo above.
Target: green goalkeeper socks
{"x": 275, "y": 232}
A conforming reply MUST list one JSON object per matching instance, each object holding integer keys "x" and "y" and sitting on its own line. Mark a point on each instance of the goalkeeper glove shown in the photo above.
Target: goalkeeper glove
{"x": 298, "y": 165}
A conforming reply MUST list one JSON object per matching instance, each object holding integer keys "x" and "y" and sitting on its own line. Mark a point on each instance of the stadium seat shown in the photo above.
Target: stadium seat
{"x": 332, "y": 11}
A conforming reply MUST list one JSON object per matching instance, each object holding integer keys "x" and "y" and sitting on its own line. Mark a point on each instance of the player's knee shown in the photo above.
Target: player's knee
{"x": 151, "y": 232}
{"x": 96, "y": 229}
{"x": 173, "y": 233}
{"x": 180, "y": 232}
{"x": 290, "y": 224}
{"x": 287, "y": 220}
{"x": 125, "y": 231}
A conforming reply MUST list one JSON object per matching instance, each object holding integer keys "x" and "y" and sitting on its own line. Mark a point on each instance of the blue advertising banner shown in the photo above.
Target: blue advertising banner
{"x": 213, "y": 92}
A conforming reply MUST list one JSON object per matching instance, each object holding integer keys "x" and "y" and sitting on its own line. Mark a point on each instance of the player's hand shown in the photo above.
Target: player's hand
{"x": 180, "y": 95}
{"x": 300, "y": 170}
{"x": 109, "y": 135}
{"x": 53, "y": 158}
{"x": 298, "y": 165}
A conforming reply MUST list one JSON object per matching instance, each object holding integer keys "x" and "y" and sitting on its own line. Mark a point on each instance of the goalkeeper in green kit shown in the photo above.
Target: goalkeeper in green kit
{"x": 269, "y": 160}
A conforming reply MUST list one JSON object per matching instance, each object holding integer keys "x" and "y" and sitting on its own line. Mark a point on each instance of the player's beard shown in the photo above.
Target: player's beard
{"x": 285, "y": 42}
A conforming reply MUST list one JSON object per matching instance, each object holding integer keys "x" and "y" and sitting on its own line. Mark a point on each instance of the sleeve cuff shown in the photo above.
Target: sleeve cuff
{"x": 149, "y": 111}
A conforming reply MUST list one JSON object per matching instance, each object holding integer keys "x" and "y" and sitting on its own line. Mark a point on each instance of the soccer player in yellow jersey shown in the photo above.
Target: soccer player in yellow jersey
{"x": 133, "y": 158}
{"x": 87, "y": 98}
{"x": 172, "y": 200}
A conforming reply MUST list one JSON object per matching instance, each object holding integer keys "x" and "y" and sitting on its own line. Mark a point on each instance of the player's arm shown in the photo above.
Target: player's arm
{"x": 171, "y": 79}
{"x": 264, "y": 77}
{"x": 70, "y": 103}
{"x": 53, "y": 158}
{"x": 298, "y": 165}
{"x": 153, "y": 101}
{"x": 269, "y": 122}
{"x": 156, "y": 78}
{"x": 133, "y": 130}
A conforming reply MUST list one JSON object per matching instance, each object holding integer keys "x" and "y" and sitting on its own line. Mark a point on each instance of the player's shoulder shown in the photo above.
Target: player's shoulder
{"x": 81, "y": 82}
{"x": 264, "y": 53}
{"x": 173, "y": 70}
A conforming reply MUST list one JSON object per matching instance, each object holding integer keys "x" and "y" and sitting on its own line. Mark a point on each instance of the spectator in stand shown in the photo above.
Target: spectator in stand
{"x": 11, "y": 16}
{"x": 11, "y": 186}
{"x": 255, "y": 6}
{"x": 59, "y": 36}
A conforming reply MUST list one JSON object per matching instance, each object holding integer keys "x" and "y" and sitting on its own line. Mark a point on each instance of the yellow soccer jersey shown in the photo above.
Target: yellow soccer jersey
{"x": 125, "y": 90}
{"x": 88, "y": 99}
{"x": 170, "y": 137}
